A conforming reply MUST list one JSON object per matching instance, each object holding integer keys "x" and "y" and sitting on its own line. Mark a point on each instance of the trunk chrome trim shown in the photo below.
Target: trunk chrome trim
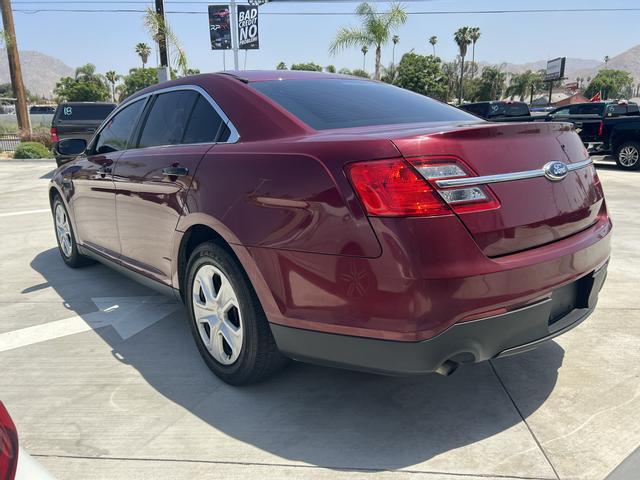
{"x": 506, "y": 177}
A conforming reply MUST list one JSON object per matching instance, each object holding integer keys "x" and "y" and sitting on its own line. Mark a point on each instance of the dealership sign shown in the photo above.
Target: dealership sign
{"x": 248, "y": 27}
{"x": 220, "y": 27}
{"x": 555, "y": 69}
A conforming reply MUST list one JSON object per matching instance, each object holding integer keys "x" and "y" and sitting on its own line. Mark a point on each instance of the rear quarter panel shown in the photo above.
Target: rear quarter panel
{"x": 290, "y": 195}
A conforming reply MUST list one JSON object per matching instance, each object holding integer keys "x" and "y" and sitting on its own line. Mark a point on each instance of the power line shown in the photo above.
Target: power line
{"x": 433, "y": 12}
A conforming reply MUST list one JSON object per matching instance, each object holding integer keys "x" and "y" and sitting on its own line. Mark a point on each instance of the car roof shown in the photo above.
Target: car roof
{"x": 248, "y": 76}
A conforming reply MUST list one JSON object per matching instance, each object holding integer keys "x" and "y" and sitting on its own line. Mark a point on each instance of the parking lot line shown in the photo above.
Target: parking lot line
{"x": 24, "y": 212}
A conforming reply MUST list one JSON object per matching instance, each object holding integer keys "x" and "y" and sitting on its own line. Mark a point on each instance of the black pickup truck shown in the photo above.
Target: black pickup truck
{"x": 606, "y": 128}
{"x": 500, "y": 111}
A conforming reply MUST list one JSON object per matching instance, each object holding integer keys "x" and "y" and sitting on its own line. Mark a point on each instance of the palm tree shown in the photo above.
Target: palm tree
{"x": 112, "y": 77}
{"x": 433, "y": 40}
{"x": 474, "y": 34}
{"x": 143, "y": 50}
{"x": 364, "y": 51}
{"x": 606, "y": 61}
{"x": 526, "y": 83}
{"x": 395, "y": 39}
{"x": 462, "y": 37}
{"x": 159, "y": 28}
{"x": 87, "y": 71}
{"x": 375, "y": 31}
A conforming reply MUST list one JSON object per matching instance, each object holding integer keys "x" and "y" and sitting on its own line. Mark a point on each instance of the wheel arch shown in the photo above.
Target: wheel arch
{"x": 200, "y": 232}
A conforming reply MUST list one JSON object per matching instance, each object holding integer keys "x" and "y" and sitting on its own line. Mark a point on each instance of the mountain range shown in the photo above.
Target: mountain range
{"x": 41, "y": 72}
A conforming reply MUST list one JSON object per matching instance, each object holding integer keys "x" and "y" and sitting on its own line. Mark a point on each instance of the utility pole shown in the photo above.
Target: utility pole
{"x": 15, "y": 71}
{"x": 234, "y": 33}
{"x": 161, "y": 38}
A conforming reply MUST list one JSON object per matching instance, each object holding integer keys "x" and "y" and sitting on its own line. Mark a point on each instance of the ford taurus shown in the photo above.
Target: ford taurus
{"x": 337, "y": 220}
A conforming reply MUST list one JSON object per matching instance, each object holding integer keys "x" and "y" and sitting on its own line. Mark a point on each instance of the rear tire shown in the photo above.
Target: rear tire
{"x": 226, "y": 319}
{"x": 65, "y": 237}
{"x": 628, "y": 156}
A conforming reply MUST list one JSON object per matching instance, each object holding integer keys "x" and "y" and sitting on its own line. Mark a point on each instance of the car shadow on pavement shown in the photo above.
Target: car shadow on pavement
{"x": 326, "y": 417}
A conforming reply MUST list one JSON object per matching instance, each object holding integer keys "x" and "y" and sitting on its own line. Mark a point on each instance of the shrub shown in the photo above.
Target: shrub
{"x": 39, "y": 136}
{"x": 27, "y": 150}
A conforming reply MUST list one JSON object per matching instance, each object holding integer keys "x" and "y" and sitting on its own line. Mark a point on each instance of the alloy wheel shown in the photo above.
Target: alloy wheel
{"x": 63, "y": 230}
{"x": 216, "y": 311}
{"x": 628, "y": 156}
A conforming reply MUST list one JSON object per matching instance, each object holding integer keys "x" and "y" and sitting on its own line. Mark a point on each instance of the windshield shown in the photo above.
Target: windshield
{"x": 338, "y": 103}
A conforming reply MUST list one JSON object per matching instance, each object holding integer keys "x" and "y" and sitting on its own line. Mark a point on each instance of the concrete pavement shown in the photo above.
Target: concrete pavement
{"x": 94, "y": 405}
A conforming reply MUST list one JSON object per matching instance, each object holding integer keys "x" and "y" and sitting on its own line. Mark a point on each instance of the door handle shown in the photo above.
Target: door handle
{"x": 175, "y": 171}
{"x": 104, "y": 170}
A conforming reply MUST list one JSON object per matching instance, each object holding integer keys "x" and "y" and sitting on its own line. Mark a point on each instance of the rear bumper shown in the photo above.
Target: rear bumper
{"x": 469, "y": 342}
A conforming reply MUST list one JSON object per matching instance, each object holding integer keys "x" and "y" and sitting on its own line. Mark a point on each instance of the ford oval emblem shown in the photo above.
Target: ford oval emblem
{"x": 555, "y": 171}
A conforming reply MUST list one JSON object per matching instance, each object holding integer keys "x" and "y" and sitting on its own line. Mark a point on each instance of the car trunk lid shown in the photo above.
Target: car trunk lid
{"x": 532, "y": 210}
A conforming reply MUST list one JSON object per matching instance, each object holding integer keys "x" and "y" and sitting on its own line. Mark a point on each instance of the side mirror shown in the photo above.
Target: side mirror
{"x": 70, "y": 147}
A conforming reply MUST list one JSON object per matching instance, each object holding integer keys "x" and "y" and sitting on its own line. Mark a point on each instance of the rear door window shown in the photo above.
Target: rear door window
{"x": 204, "y": 123}
{"x": 167, "y": 119}
{"x": 116, "y": 133}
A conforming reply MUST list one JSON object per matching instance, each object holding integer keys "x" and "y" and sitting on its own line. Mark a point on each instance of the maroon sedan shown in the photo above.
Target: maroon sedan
{"x": 339, "y": 221}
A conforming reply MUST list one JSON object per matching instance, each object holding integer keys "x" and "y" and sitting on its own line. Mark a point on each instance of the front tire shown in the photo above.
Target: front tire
{"x": 67, "y": 245}
{"x": 227, "y": 322}
{"x": 628, "y": 156}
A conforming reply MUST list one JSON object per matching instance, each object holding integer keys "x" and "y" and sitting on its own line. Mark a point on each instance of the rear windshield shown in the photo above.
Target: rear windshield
{"x": 337, "y": 103}
{"x": 508, "y": 110}
{"x": 587, "y": 109}
{"x": 84, "y": 112}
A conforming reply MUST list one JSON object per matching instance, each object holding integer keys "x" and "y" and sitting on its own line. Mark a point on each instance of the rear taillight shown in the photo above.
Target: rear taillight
{"x": 601, "y": 128}
{"x": 391, "y": 188}
{"x": 8, "y": 446}
{"x": 397, "y": 188}
{"x": 54, "y": 134}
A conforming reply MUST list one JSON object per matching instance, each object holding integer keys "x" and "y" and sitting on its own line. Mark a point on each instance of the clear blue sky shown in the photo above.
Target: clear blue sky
{"x": 108, "y": 39}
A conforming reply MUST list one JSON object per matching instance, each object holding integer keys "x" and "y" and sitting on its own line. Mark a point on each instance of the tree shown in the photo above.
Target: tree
{"x": 526, "y": 83}
{"x": 143, "y": 51}
{"x": 376, "y": 31}
{"x": 492, "y": 83}
{"x": 421, "y": 74}
{"x": 364, "y": 51}
{"x": 474, "y": 34}
{"x": 606, "y": 61}
{"x": 112, "y": 77}
{"x": 137, "y": 79}
{"x": 158, "y": 27}
{"x": 344, "y": 71}
{"x": 330, "y": 69}
{"x": 85, "y": 86}
{"x": 611, "y": 84}
{"x": 281, "y": 66}
{"x": 462, "y": 38}
{"x": 395, "y": 39}
{"x": 360, "y": 73}
{"x": 433, "y": 40}
{"x": 311, "y": 67}
{"x": 389, "y": 74}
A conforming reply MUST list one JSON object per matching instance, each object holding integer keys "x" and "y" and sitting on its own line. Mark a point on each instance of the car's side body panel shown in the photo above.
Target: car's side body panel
{"x": 149, "y": 204}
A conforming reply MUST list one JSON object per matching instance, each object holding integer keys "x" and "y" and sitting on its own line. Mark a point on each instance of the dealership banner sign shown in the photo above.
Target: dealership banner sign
{"x": 220, "y": 27}
{"x": 248, "y": 27}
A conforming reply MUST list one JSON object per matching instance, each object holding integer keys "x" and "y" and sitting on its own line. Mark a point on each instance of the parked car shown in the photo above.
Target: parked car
{"x": 499, "y": 111}
{"x": 77, "y": 120}
{"x": 42, "y": 109}
{"x": 337, "y": 220}
{"x": 606, "y": 128}
{"x": 15, "y": 463}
